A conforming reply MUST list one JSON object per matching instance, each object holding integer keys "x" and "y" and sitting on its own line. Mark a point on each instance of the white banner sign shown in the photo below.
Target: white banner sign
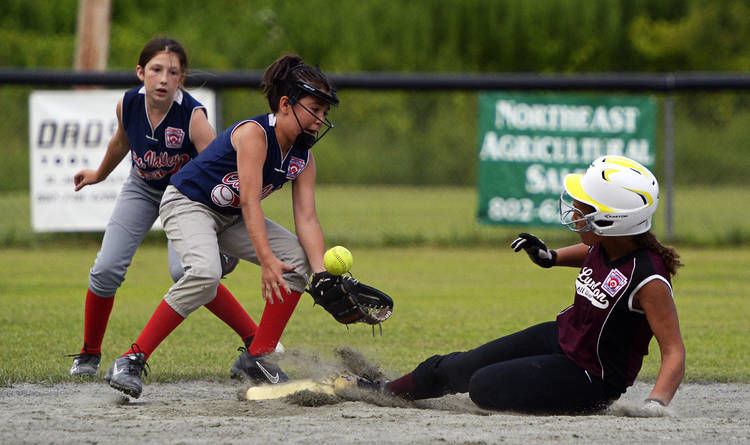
{"x": 70, "y": 131}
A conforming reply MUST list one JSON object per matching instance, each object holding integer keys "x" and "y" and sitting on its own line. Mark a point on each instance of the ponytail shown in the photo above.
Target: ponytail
{"x": 668, "y": 254}
{"x": 280, "y": 77}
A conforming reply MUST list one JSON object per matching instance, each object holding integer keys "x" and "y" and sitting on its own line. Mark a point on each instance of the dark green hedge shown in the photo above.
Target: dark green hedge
{"x": 411, "y": 138}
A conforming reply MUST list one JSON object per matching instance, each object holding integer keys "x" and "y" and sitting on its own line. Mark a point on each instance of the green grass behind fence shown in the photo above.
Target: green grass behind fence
{"x": 446, "y": 299}
{"x": 358, "y": 215}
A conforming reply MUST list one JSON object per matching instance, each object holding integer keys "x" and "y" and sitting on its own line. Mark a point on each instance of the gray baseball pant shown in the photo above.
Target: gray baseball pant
{"x": 136, "y": 209}
{"x": 198, "y": 234}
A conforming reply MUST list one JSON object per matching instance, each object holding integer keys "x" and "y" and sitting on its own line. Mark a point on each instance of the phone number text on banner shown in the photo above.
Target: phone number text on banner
{"x": 529, "y": 142}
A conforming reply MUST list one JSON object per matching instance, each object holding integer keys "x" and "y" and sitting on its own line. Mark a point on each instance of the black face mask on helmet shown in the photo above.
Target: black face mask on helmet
{"x": 305, "y": 140}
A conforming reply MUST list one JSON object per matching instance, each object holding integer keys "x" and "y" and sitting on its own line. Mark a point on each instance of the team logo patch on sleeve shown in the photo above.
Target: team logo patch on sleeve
{"x": 614, "y": 282}
{"x": 295, "y": 167}
{"x": 173, "y": 137}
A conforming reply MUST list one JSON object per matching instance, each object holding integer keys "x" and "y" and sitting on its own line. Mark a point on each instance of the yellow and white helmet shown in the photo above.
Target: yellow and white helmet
{"x": 623, "y": 193}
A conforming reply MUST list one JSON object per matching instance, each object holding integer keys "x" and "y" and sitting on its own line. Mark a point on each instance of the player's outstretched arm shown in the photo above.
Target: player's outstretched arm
{"x": 306, "y": 223}
{"x": 535, "y": 248}
{"x": 545, "y": 257}
{"x": 250, "y": 141}
{"x": 572, "y": 256}
{"x": 118, "y": 147}
{"x": 656, "y": 300}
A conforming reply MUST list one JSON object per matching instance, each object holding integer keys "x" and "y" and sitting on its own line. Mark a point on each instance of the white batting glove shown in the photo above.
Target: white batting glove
{"x": 654, "y": 408}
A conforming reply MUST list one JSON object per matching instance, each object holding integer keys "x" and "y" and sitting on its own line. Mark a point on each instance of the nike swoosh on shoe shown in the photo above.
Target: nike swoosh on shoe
{"x": 274, "y": 379}
{"x": 116, "y": 370}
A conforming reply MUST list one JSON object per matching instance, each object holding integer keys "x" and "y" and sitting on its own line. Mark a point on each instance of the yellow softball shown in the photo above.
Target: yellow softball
{"x": 338, "y": 260}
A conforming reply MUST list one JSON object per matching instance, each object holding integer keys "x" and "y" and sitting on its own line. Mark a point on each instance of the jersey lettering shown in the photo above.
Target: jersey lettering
{"x": 212, "y": 178}
{"x": 600, "y": 332}
{"x": 158, "y": 152}
{"x": 589, "y": 289}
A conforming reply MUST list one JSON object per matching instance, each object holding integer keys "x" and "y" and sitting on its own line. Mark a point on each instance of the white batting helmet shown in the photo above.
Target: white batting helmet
{"x": 623, "y": 193}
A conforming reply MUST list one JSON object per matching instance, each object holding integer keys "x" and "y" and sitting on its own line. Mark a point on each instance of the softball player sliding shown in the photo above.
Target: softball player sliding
{"x": 214, "y": 205}
{"x": 593, "y": 351}
{"x": 163, "y": 128}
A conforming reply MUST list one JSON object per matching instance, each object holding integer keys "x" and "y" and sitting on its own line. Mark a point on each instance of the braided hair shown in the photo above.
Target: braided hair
{"x": 668, "y": 254}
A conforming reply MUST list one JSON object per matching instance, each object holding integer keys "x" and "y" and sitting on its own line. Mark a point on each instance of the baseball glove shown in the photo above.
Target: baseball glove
{"x": 350, "y": 301}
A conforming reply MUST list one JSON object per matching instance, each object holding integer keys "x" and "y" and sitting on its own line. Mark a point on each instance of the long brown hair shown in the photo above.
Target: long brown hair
{"x": 159, "y": 44}
{"x": 280, "y": 77}
{"x": 668, "y": 254}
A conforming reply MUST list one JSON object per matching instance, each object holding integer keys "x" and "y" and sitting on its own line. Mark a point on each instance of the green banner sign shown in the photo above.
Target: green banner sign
{"x": 529, "y": 142}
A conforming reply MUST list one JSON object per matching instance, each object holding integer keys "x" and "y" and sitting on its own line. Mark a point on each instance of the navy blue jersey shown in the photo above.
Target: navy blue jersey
{"x": 158, "y": 153}
{"x": 212, "y": 177}
{"x": 602, "y": 332}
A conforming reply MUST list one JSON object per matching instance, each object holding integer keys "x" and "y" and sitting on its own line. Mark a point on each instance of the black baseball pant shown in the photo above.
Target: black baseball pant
{"x": 526, "y": 372}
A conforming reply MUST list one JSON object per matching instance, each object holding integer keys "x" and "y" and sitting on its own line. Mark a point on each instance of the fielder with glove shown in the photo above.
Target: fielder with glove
{"x": 350, "y": 301}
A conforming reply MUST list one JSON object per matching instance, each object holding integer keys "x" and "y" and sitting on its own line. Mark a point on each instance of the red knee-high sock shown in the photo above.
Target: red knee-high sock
{"x": 272, "y": 324}
{"x": 231, "y": 312}
{"x": 162, "y": 323}
{"x": 402, "y": 386}
{"x": 95, "y": 321}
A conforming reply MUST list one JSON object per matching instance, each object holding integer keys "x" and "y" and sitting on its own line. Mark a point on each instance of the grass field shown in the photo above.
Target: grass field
{"x": 446, "y": 299}
{"x": 377, "y": 216}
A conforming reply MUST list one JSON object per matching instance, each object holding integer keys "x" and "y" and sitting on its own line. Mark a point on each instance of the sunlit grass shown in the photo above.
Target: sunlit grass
{"x": 439, "y": 216}
{"x": 446, "y": 299}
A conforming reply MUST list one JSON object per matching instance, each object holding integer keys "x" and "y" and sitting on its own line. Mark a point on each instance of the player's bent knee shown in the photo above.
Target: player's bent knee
{"x": 483, "y": 392}
{"x": 196, "y": 288}
{"x": 105, "y": 283}
{"x": 208, "y": 272}
{"x": 494, "y": 388}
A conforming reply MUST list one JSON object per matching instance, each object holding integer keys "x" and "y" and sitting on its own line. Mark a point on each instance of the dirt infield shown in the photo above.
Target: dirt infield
{"x": 217, "y": 412}
{"x": 201, "y": 412}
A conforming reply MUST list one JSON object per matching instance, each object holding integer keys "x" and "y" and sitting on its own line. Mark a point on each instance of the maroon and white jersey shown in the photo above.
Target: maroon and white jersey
{"x": 602, "y": 332}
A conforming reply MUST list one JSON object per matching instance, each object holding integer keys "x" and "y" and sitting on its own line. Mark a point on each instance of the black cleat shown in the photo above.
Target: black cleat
{"x": 85, "y": 364}
{"x": 348, "y": 382}
{"x": 125, "y": 374}
{"x": 257, "y": 369}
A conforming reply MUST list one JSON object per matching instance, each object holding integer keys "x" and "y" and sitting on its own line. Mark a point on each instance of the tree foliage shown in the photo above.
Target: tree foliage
{"x": 419, "y": 35}
{"x": 402, "y": 137}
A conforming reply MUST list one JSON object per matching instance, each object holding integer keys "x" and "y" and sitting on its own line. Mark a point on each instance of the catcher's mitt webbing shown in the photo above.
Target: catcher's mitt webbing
{"x": 350, "y": 301}
{"x": 376, "y": 305}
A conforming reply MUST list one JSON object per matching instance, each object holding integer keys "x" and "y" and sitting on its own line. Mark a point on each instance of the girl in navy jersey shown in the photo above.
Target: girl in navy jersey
{"x": 593, "y": 351}
{"x": 214, "y": 205}
{"x": 162, "y": 127}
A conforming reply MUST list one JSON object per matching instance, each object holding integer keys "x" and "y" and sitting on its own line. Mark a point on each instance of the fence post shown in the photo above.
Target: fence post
{"x": 668, "y": 185}
{"x": 92, "y": 35}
